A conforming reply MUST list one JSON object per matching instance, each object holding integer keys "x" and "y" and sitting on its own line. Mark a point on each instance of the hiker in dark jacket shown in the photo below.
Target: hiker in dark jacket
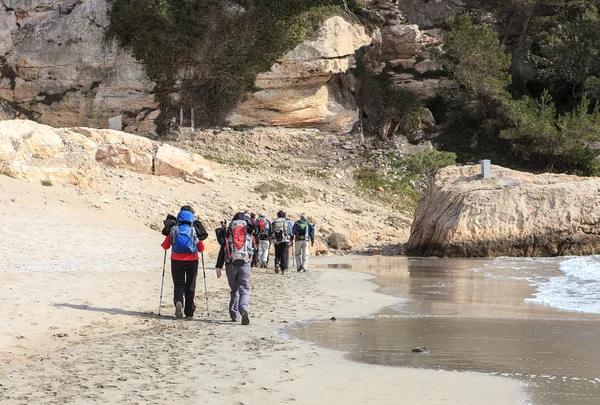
{"x": 281, "y": 234}
{"x": 236, "y": 255}
{"x": 185, "y": 240}
{"x": 303, "y": 232}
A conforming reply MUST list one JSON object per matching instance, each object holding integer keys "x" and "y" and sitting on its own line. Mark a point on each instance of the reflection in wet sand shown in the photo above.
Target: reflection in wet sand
{"x": 472, "y": 316}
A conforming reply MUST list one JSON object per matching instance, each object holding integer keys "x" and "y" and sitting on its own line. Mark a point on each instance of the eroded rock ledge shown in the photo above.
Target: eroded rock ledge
{"x": 510, "y": 214}
{"x": 36, "y": 153}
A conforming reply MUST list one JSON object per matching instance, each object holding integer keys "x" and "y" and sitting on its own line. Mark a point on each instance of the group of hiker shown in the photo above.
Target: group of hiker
{"x": 244, "y": 242}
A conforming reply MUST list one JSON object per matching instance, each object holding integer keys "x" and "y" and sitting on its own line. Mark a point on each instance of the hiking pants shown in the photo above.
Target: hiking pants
{"x": 264, "y": 251}
{"x": 238, "y": 278}
{"x": 282, "y": 255}
{"x": 184, "y": 282}
{"x": 302, "y": 254}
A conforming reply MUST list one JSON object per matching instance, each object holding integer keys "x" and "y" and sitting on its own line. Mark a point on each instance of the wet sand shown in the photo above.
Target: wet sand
{"x": 472, "y": 316}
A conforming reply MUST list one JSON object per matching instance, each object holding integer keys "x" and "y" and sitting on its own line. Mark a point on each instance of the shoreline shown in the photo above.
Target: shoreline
{"x": 253, "y": 364}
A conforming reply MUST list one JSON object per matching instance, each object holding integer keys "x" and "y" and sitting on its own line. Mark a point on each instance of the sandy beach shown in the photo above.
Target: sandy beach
{"x": 80, "y": 326}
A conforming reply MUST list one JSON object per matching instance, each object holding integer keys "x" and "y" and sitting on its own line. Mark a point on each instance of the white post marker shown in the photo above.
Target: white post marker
{"x": 486, "y": 171}
{"x": 115, "y": 123}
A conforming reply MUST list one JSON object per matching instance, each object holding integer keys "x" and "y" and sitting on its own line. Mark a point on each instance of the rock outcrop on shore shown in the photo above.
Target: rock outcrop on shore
{"x": 297, "y": 91}
{"x": 510, "y": 214}
{"x": 36, "y": 152}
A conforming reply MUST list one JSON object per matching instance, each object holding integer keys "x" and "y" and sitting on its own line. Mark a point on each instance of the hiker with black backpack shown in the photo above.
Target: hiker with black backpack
{"x": 281, "y": 235}
{"x": 263, "y": 233}
{"x": 184, "y": 235}
{"x": 236, "y": 255}
{"x": 303, "y": 232}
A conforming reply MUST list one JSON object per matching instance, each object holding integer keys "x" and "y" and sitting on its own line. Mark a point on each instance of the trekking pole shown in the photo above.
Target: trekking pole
{"x": 205, "y": 289}
{"x": 293, "y": 254}
{"x": 162, "y": 282}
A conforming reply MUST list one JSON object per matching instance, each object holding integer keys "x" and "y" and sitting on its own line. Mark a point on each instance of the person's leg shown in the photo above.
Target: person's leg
{"x": 178, "y": 273}
{"x": 232, "y": 279}
{"x": 191, "y": 273}
{"x": 285, "y": 256}
{"x": 244, "y": 274}
{"x": 278, "y": 255}
{"x": 264, "y": 251}
{"x": 305, "y": 255}
{"x": 298, "y": 253}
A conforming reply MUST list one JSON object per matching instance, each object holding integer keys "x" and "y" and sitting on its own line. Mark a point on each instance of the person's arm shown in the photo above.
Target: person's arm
{"x": 290, "y": 232}
{"x": 166, "y": 243}
{"x": 311, "y": 234}
{"x": 220, "y": 261}
{"x": 200, "y": 230}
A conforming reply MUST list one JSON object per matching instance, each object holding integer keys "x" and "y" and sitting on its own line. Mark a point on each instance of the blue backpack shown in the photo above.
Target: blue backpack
{"x": 183, "y": 235}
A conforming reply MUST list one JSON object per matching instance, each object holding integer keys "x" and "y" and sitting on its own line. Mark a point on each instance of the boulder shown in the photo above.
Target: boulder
{"x": 320, "y": 247}
{"x": 122, "y": 150}
{"x": 298, "y": 90}
{"x": 174, "y": 162}
{"x": 35, "y": 152}
{"x": 509, "y": 214}
{"x": 339, "y": 241}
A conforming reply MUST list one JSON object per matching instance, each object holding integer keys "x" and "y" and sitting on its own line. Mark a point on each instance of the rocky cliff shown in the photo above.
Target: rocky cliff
{"x": 510, "y": 214}
{"x": 59, "y": 68}
{"x": 299, "y": 90}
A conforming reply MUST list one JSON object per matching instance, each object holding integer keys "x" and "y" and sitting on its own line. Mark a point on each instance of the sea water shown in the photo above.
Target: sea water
{"x": 536, "y": 320}
{"x": 576, "y": 288}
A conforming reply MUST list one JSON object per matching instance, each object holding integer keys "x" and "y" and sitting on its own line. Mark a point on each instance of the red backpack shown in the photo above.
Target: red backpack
{"x": 239, "y": 243}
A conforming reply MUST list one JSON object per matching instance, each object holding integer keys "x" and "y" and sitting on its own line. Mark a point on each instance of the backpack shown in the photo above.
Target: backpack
{"x": 263, "y": 228}
{"x": 239, "y": 243}
{"x": 301, "y": 230}
{"x": 183, "y": 236}
{"x": 280, "y": 230}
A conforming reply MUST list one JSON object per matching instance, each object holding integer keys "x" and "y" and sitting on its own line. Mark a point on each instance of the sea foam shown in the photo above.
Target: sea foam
{"x": 576, "y": 289}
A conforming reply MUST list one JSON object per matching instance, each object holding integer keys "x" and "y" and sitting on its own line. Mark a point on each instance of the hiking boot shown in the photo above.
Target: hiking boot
{"x": 277, "y": 269}
{"x": 245, "y": 319}
{"x": 236, "y": 319}
{"x": 178, "y": 310}
{"x": 299, "y": 269}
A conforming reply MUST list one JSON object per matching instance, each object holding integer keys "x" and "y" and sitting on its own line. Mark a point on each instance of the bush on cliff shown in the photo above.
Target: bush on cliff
{"x": 209, "y": 53}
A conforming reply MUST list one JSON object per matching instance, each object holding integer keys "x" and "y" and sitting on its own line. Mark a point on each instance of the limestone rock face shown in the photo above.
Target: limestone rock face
{"x": 36, "y": 152}
{"x": 60, "y": 70}
{"x": 298, "y": 90}
{"x": 119, "y": 149}
{"x": 510, "y": 214}
{"x": 430, "y": 14}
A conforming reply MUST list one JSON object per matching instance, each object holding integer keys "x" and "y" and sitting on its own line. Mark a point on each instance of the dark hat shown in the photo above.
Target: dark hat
{"x": 281, "y": 214}
{"x": 187, "y": 208}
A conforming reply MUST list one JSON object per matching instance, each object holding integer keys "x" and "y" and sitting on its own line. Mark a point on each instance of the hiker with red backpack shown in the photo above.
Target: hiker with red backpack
{"x": 184, "y": 235}
{"x": 281, "y": 234}
{"x": 303, "y": 232}
{"x": 263, "y": 234}
{"x": 236, "y": 254}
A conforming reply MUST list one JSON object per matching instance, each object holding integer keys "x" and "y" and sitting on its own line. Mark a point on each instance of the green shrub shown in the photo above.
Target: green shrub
{"x": 47, "y": 183}
{"x": 550, "y": 142}
{"x": 398, "y": 181}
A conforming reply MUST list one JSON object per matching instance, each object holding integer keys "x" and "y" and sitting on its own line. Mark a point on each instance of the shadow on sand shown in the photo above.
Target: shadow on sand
{"x": 147, "y": 315}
